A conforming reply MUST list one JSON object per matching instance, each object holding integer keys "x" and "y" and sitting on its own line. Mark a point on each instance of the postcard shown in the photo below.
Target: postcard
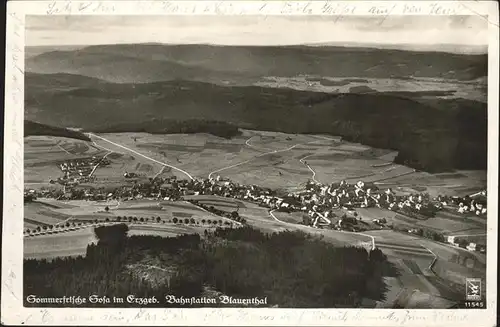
{"x": 251, "y": 163}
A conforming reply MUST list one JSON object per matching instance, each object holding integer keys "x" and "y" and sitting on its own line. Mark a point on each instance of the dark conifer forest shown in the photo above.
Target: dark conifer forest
{"x": 291, "y": 269}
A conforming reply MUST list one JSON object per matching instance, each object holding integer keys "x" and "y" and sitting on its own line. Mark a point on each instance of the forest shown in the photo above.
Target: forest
{"x": 430, "y": 134}
{"x": 34, "y": 128}
{"x": 172, "y": 126}
{"x": 291, "y": 269}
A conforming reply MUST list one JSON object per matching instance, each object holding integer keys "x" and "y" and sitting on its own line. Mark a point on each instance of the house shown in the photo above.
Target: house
{"x": 472, "y": 246}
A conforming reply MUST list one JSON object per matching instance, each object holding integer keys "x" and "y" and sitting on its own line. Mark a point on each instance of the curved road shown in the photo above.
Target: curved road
{"x": 140, "y": 154}
{"x": 266, "y": 153}
{"x": 433, "y": 260}
{"x": 247, "y": 142}
{"x": 309, "y": 167}
{"x": 104, "y": 157}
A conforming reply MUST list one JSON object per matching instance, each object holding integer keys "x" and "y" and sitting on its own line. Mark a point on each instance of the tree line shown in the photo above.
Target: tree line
{"x": 172, "y": 126}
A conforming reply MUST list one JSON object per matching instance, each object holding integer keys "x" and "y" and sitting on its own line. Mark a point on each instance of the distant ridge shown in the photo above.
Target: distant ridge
{"x": 244, "y": 65}
{"x": 448, "y": 48}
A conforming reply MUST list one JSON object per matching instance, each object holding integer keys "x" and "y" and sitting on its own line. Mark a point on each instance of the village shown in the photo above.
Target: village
{"x": 78, "y": 171}
{"x": 317, "y": 202}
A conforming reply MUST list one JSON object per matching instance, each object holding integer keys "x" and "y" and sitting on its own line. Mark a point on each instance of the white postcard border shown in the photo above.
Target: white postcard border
{"x": 13, "y": 311}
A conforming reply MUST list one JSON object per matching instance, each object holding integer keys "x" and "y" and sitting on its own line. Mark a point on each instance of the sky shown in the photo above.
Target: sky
{"x": 417, "y": 31}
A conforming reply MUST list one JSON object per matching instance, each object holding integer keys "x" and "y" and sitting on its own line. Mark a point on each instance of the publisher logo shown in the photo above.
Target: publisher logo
{"x": 473, "y": 289}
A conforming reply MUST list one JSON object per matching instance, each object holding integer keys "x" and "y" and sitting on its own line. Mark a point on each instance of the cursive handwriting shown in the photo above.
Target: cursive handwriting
{"x": 335, "y": 8}
{"x": 316, "y": 316}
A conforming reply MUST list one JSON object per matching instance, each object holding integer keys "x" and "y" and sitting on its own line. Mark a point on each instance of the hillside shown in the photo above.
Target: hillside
{"x": 431, "y": 134}
{"x": 32, "y": 128}
{"x": 143, "y": 63}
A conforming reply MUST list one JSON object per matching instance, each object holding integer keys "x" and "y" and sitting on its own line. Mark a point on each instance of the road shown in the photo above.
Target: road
{"x": 247, "y": 142}
{"x": 297, "y": 226}
{"x": 95, "y": 167}
{"x": 433, "y": 261}
{"x": 266, "y": 153}
{"x": 107, "y": 154}
{"x": 309, "y": 167}
{"x": 60, "y": 147}
{"x": 246, "y": 161}
{"x": 142, "y": 155}
{"x": 159, "y": 173}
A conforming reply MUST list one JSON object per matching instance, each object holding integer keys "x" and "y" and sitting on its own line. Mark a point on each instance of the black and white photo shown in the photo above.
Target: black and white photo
{"x": 255, "y": 161}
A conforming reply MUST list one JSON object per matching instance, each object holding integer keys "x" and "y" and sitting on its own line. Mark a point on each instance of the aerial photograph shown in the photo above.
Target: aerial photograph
{"x": 255, "y": 161}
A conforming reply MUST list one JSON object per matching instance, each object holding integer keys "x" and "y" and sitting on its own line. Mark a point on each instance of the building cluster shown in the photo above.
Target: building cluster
{"x": 475, "y": 203}
{"x": 318, "y": 201}
{"x": 464, "y": 243}
{"x": 78, "y": 171}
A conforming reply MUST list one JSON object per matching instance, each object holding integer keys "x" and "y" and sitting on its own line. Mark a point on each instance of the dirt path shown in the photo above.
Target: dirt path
{"x": 144, "y": 156}
{"x": 266, "y": 153}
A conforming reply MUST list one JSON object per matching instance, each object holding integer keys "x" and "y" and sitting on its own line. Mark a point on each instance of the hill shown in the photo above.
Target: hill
{"x": 144, "y": 63}
{"x": 32, "y": 128}
{"x": 430, "y": 134}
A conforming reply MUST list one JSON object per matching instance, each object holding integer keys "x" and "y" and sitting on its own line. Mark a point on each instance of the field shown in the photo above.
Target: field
{"x": 39, "y": 214}
{"x": 293, "y": 217}
{"x": 426, "y": 86}
{"x": 444, "y": 222}
{"x": 459, "y": 183}
{"x": 50, "y": 212}
{"x": 43, "y": 153}
{"x": 72, "y": 243}
{"x": 275, "y": 160}
{"x": 413, "y": 256}
{"x": 269, "y": 159}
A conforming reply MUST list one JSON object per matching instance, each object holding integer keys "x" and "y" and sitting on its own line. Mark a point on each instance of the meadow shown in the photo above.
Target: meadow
{"x": 42, "y": 154}
{"x": 46, "y": 212}
{"x": 72, "y": 243}
{"x": 278, "y": 160}
{"x": 269, "y": 159}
